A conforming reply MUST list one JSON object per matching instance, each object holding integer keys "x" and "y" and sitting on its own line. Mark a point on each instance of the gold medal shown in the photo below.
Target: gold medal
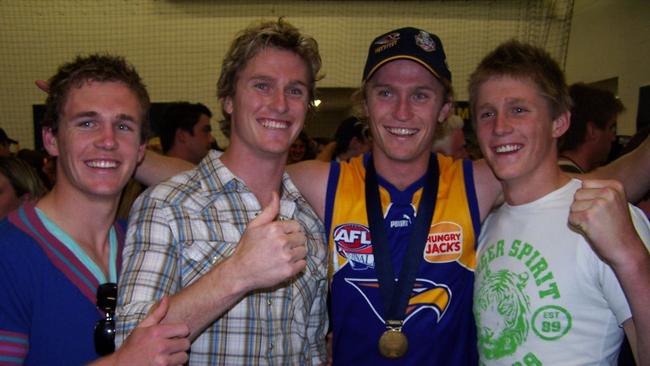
{"x": 393, "y": 343}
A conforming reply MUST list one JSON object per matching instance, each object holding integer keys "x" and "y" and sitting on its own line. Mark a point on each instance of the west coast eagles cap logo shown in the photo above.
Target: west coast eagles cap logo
{"x": 386, "y": 42}
{"x": 393, "y": 37}
{"x": 425, "y": 42}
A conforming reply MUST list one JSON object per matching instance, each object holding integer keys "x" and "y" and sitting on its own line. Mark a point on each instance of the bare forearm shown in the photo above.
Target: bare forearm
{"x": 632, "y": 169}
{"x": 156, "y": 168}
{"x": 634, "y": 278}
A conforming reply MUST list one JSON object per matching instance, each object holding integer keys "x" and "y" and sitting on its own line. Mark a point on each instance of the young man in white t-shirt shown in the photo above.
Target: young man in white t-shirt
{"x": 558, "y": 278}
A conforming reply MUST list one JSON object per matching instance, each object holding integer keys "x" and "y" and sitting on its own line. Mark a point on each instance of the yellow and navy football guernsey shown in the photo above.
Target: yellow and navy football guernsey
{"x": 438, "y": 323}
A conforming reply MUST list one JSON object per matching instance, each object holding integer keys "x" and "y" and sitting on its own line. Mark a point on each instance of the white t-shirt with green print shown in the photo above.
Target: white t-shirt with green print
{"x": 542, "y": 296}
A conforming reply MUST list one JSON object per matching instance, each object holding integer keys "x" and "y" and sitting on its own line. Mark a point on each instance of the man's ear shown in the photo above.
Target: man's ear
{"x": 142, "y": 149}
{"x": 444, "y": 111}
{"x": 50, "y": 141}
{"x": 561, "y": 124}
{"x": 590, "y": 131}
{"x": 179, "y": 135}
{"x": 227, "y": 104}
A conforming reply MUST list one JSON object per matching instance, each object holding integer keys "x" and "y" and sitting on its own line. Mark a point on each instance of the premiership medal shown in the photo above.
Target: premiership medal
{"x": 393, "y": 343}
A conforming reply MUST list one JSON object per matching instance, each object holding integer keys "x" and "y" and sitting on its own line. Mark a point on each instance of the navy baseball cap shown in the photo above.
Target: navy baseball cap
{"x": 408, "y": 44}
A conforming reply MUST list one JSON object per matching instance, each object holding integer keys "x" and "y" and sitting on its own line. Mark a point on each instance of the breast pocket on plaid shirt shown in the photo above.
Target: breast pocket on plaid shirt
{"x": 201, "y": 255}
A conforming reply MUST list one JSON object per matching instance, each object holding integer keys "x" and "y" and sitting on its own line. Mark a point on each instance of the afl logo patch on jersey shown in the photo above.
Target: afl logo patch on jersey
{"x": 353, "y": 242}
{"x": 444, "y": 243}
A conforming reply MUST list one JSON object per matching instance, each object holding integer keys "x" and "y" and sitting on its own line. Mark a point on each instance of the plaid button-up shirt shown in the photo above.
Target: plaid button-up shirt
{"x": 181, "y": 228}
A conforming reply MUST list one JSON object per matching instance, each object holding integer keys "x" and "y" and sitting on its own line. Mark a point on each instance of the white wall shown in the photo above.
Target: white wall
{"x": 611, "y": 38}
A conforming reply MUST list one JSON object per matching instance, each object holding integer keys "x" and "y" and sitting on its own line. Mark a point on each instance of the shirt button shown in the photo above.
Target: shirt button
{"x": 270, "y": 346}
{"x": 269, "y": 302}
{"x": 214, "y": 260}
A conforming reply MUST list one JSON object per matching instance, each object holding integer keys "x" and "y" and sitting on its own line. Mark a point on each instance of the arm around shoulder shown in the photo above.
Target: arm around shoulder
{"x": 311, "y": 179}
{"x": 632, "y": 169}
{"x": 156, "y": 168}
{"x": 488, "y": 189}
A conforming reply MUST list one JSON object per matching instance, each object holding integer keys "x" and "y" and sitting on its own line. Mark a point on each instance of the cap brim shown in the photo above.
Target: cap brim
{"x": 401, "y": 57}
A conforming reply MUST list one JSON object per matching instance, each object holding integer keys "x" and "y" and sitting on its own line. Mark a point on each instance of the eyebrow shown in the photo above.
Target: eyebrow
{"x": 84, "y": 114}
{"x": 517, "y": 100}
{"x": 125, "y": 117}
{"x": 270, "y": 78}
{"x": 121, "y": 116}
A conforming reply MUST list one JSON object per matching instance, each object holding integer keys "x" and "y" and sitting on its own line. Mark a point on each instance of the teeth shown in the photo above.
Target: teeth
{"x": 274, "y": 124}
{"x": 401, "y": 131}
{"x": 104, "y": 164}
{"x": 507, "y": 148}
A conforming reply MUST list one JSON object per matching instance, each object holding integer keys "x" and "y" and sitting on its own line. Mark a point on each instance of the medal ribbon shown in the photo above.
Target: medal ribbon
{"x": 395, "y": 296}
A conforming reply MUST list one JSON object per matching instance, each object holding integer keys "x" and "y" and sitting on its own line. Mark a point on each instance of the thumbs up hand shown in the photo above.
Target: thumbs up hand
{"x": 270, "y": 251}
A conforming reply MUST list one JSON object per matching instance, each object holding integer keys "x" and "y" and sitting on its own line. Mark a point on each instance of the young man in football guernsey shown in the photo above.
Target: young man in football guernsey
{"x": 558, "y": 281}
{"x": 425, "y": 317}
{"x": 60, "y": 257}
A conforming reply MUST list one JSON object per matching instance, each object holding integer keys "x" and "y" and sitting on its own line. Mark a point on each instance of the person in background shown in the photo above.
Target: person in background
{"x": 563, "y": 265}
{"x": 232, "y": 242}
{"x": 352, "y": 139}
{"x": 450, "y": 139}
{"x": 185, "y": 131}
{"x": 60, "y": 256}
{"x": 320, "y": 143}
{"x": 588, "y": 141}
{"x": 301, "y": 149}
{"x": 19, "y": 183}
{"x": 5, "y": 143}
{"x": 43, "y": 164}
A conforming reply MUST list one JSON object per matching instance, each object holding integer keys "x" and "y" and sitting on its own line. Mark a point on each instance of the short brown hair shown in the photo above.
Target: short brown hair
{"x": 100, "y": 68}
{"x": 277, "y": 34}
{"x": 526, "y": 62}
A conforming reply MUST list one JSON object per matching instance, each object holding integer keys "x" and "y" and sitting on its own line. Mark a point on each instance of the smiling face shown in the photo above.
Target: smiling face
{"x": 516, "y": 132}
{"x": 270, "y": 103}
{"x": 98, "y": 142}
{"x": 404, "y": 103}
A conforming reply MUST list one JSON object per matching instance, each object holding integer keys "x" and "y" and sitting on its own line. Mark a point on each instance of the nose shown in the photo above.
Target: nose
{"x": 106, "y": 138}
{"x": 403, "y": 111}
{"x": 502, "y": 124}
{"x": 279, "y": 102}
